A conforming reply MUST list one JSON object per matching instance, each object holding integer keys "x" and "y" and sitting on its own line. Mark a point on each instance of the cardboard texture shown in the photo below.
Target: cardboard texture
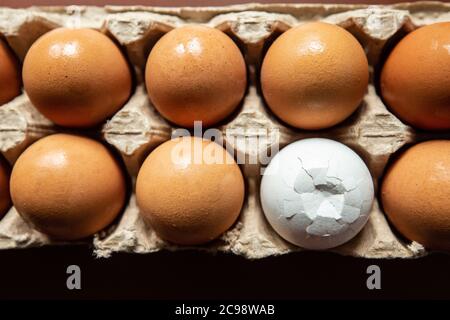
{"x": 372, "y": 131}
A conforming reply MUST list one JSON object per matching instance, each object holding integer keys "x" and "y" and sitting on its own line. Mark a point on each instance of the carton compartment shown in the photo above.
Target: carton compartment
{"x": 252, "y": 132}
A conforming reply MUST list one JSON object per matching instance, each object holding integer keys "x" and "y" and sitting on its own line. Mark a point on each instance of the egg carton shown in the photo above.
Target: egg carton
{"x": 137, "y": 128}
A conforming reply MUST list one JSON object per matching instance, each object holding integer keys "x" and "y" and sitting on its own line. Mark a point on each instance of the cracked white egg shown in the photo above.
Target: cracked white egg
{"x": 317, "y": 193}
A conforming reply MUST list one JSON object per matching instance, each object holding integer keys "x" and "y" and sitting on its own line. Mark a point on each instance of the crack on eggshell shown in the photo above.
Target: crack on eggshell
{"x": 328, "y": 202}
{"x": 376, "y": 130}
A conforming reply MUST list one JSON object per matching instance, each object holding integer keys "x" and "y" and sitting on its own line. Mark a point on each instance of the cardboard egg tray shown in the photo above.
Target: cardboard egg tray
{"x": 372, "y": 131}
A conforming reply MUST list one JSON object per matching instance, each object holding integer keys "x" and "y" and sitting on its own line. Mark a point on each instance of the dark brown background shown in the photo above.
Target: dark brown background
{"x": 41, "y": 273}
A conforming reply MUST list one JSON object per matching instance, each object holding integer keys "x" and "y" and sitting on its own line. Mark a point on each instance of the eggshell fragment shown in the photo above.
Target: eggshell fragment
{"x": 5, "y": 200}
{"x": 416, "y": 194}
{"x": 190, "y": 190}
{"x": 68, "y": 186}
{"x": 9, "y": 74}
{"x": 314, "y": 76}
{"x": 317, "y": 193}
{"x": 195, "y": 73}
{"x": 415, "y": 79}
{"x": 76, "y": 77}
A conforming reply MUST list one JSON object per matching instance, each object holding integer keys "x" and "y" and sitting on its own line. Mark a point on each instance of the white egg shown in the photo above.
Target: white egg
{"x": 317, "y": 193}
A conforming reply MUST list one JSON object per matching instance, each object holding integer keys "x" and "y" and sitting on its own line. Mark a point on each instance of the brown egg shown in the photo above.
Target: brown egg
{"x": 195, "y": 73}
{"x": 415, "y": 79}
{"x": 76, "y": 77}
{"x": 9, "y": 74}
{"x": 68, "y": 186}
{"x": 416, "y": 194}
{"x": 5, "y": 201}
{"x": 314, "y": 75}
{"x": 188, "y": 200}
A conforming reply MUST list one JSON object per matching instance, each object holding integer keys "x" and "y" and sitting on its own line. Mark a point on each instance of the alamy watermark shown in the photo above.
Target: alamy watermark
{"x": 245, "y": 145}
{"x": 374, "y": 280}
{"x": 73, "y": 281}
